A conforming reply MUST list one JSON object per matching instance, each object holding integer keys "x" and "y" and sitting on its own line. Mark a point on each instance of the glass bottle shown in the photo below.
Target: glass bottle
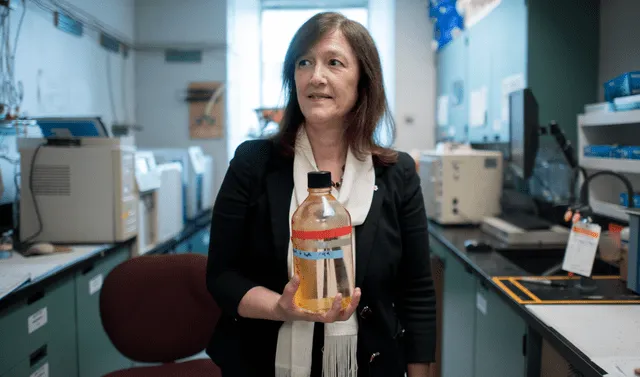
{"x": 321, "y": 235}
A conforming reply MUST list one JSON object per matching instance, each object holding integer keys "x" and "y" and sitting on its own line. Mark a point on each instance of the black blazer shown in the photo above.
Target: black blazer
{"x": 248, "y": 248}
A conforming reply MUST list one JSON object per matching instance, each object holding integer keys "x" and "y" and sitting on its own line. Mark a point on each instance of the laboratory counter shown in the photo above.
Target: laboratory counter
{"x": 49, "y": 306}
{"x": 496, "y": 322}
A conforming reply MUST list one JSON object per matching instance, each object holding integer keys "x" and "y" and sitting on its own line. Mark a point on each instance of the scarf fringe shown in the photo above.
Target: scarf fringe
{"x": 294, "y": 372}
{"x": 340, "y": 356}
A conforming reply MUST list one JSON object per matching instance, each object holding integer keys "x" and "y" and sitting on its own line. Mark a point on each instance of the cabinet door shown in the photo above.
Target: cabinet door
{"x": 509, "y": 62}
{"x": 200, "y": 242}
{"x": 452, "y": 83}
{"x": 96, "y": 354}
{"x": 500, "y": 334}
{"x": 458, "y": 319}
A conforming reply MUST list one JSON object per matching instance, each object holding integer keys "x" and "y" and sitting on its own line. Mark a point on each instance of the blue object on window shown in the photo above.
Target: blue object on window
{"x": 447, "y": 23}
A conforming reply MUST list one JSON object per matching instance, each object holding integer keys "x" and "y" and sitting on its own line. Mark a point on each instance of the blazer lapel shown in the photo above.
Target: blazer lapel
{"x": 279, "y": 191}
{"x": 365, "y": 233}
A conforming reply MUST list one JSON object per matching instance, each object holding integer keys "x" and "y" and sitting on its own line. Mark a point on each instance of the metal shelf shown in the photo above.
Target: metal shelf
{"x": 613, "y": 164}
{"x": 614, "y": 211}
{"x": 609, "y": 118}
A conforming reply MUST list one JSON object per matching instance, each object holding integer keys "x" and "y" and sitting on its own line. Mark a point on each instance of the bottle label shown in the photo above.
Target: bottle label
{"x": 321, "y": 234}
{"x": 319, "y": 255}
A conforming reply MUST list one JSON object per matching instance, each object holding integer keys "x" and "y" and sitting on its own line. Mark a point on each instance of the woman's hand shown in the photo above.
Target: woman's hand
{"x": 289, "y": 311}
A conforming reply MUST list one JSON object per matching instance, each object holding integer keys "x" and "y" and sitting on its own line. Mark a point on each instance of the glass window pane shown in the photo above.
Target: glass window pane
{"x": 278, "y": 27}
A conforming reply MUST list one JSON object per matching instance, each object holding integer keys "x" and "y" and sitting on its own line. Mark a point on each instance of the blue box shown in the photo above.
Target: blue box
{"x": 626, "y": 84}
{"x": 627, "y": 103}
{"x": 627, "y": 152}
{"x": 607, "y": 151}
{"x": 624, "y": 199}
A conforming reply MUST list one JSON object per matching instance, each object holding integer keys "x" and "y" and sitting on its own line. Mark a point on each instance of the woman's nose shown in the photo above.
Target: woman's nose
{"x": 318, "y": 77}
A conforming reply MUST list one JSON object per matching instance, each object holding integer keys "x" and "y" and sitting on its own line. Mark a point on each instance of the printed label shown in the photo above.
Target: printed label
{"x": 95, "y": 284}
{"x": 319, "y": 255}
{"x": 481, "y": 303}
{"x": 37, "y": 320}
{"x": 43, "y": 371}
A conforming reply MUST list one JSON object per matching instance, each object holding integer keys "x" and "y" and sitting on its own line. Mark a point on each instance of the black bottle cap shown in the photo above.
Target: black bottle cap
{"x": 319, "y": 179}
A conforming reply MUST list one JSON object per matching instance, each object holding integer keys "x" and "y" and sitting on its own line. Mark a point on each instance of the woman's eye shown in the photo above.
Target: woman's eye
{"x": 303, "y": 62}
{"x": 335, "y": 62}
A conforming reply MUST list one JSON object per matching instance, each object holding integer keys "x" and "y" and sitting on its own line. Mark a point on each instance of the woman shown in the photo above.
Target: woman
{"x": 333, "y": 78}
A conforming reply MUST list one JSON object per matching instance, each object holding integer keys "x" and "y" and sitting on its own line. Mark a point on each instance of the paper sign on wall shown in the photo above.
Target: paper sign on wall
{"x": 443, "y": 110}
{"x": 510, "y": 84}
{"x": 478, "y": 107}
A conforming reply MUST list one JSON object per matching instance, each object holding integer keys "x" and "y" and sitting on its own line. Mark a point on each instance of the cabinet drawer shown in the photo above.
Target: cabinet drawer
{"x": 96, "y": 354}
{"x": 47, "y": 361}
{"x": 47, "y": 316}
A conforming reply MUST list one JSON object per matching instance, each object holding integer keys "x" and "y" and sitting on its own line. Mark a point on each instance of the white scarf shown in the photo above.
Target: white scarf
{"x": 295, "y": 339}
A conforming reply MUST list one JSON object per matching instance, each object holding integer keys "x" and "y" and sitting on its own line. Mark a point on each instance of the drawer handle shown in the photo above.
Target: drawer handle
{"x": 38, "y": 355}
{"x": 87, "y": 270}
{"x": 35, "y": 297}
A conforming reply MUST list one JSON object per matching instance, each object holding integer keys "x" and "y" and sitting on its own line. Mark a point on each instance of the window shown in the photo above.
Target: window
{"x": 278, "y": 27}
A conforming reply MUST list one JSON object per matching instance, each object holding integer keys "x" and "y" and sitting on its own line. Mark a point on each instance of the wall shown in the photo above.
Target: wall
{"x": 381, "y": 26}
{"x": 618, "y": 23}
{"x": 67, "y": 75}
{"x": 160, "y": 86}
{"x": 415, "y": 76}
{"x": 243, "y": 70}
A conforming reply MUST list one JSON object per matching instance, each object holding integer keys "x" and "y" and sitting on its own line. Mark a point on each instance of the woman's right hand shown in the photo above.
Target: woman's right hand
{"x": 289, "y": 311}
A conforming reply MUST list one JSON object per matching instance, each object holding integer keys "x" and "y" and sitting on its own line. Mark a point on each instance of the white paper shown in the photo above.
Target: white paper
{"x": 478, "y": 107}
{"x": 443, "y": 110}
{"x": 481, "y": 303}
{"x": 618, "y": 366}
{"x": 581, "y": 248}
{"x": 95, "y": 284}
{"x": 37, "y": 320}
{"x": 43, "y": 371}
{"x": 510, "y": 84}
{"x": 497, "y": 125}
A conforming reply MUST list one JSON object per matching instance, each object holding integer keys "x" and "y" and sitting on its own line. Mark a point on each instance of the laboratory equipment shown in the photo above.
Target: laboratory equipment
{"x": 59, "y": 127}
{"x": 461, "y": 185}
{"x": 515, "y": 225}
{"x": 77, "y": 190}
{"x": 633, "y": 251}
{"x": 170, "y": 201}
{"x": 147, "y": 184}
{"x": 192, "y": 175}
{"x": 208, "y": 178}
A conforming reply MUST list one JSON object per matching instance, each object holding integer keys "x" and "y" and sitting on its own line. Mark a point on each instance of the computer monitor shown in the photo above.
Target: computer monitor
{"x": 524, "y": 129}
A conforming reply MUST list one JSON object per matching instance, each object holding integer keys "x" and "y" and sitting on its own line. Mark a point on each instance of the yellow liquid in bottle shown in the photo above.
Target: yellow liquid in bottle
{"x": 322, "y": 252}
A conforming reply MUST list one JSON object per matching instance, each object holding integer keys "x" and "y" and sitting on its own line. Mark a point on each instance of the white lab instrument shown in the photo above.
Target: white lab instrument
{"x": 170, "y": 201}
{"x": 513, "y": 235}
{"x": 77, "y": 190}
{"x": 147, "y": 184}
{"x": 461, "y": 185}
{"x": 192, "y": 175}
{"x": 208, "y": 196}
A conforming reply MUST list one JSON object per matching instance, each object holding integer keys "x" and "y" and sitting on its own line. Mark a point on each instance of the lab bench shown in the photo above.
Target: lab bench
{"x": 486, "y": 332}
{"x": 51, "y": 326}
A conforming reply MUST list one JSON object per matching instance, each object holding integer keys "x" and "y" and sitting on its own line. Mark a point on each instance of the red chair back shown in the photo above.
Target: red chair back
{"x": 156, "y": 308}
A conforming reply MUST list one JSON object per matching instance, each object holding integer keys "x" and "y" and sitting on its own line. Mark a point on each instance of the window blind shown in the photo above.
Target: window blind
{"x": 313, "y": 4}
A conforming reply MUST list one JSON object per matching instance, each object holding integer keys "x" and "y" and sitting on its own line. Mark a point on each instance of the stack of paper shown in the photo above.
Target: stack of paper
{"x": 11, "y": 278}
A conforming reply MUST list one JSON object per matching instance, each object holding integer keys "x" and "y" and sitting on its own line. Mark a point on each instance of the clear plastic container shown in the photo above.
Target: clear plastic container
{"x": 322, "y": 247}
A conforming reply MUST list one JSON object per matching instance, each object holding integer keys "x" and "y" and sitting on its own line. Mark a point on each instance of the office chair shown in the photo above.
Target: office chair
{"x": 156, "y": 309}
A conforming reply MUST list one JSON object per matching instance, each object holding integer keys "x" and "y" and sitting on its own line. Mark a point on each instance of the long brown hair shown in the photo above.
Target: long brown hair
{"x": 371, "y": 106}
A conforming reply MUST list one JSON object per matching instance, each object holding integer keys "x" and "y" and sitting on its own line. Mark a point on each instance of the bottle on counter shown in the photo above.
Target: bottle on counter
{"x": 321, "y": 235}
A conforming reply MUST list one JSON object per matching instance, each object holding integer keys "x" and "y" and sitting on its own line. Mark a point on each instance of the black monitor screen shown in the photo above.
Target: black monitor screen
{"x": 523, "y": 128}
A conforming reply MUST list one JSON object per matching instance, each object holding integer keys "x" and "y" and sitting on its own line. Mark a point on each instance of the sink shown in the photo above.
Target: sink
{"x": 542, "y": 262}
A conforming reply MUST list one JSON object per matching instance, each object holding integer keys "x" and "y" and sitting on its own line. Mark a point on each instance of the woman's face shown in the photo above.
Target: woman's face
{"x": 327, "y": 80}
